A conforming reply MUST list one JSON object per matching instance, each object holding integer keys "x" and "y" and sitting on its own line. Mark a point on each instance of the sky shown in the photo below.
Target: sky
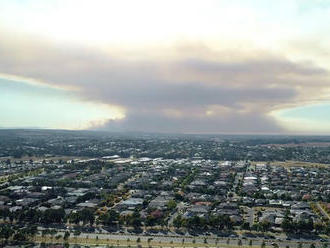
{"x": 188, "y": 66}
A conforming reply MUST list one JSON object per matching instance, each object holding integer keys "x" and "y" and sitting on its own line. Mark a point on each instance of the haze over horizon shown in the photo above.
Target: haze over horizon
{"x": 166, "y": 66}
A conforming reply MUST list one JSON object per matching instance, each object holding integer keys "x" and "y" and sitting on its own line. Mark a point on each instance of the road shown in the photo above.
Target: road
{"x": 250, "y": 216}
{"x": 325, "y": 214}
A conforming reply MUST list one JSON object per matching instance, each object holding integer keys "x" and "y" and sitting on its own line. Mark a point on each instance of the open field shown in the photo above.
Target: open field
{"x": 291, "y": 163}
{"x": 299, "y": 164}
{"x": 47, "y": 158}
{"x": 104, "y": 240}
{"x": 305, "y": 144}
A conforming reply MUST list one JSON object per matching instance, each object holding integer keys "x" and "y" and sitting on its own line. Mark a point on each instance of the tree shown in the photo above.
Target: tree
{"x": 86, "y": 215}
{"x": 177, "y": 222}
{"x": 287, "y": 225}
{"x": 6, "y": 232}
{"x": 76, "y": 233}
{"x": 110, "y": 217}
{"x": 134, "y": 220}
{"x": 150, "y": 221}
{"x": 20, "y": 236}
{"x": 245, "y": 226}
{"x": 52, "y": 232}
{"x": 31, "y": 231}
{"x": 66, "y": 235}
{"x": 319, "y": 227}
{"x": 53, "y": 216}
{"x": 171, "y": 205}
{"x": 265, "y": 225}
{"x": 196, "y": 222}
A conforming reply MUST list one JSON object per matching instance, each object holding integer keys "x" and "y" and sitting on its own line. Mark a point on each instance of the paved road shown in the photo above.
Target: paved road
{"x": 250, "y": 216}
{"x": 325, "y": 214}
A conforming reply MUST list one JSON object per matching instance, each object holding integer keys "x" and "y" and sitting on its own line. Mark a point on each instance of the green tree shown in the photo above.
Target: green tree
{"x": 177, "y": 222}
{"x": 76, "y": 233}
{"x": 6, "y": 232}
{"x": 66, "y": 235}
{"x": 171, "y": 205}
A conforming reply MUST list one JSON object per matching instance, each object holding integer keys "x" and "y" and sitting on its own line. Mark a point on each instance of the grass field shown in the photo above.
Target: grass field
{"x": 48, "y": 158}
{"x": 132, "y": 243}
{"x": 291, "y": 163}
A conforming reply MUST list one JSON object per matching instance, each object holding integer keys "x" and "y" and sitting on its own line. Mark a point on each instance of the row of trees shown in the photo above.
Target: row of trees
{"x": 85, "y": 215}
{"x": 35, "y": 216}
{"x": 214, "y": 222}
{"x": 17, "y": 234}
{"x": 304, "y": 226}
{"x": 112, "y": 218}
